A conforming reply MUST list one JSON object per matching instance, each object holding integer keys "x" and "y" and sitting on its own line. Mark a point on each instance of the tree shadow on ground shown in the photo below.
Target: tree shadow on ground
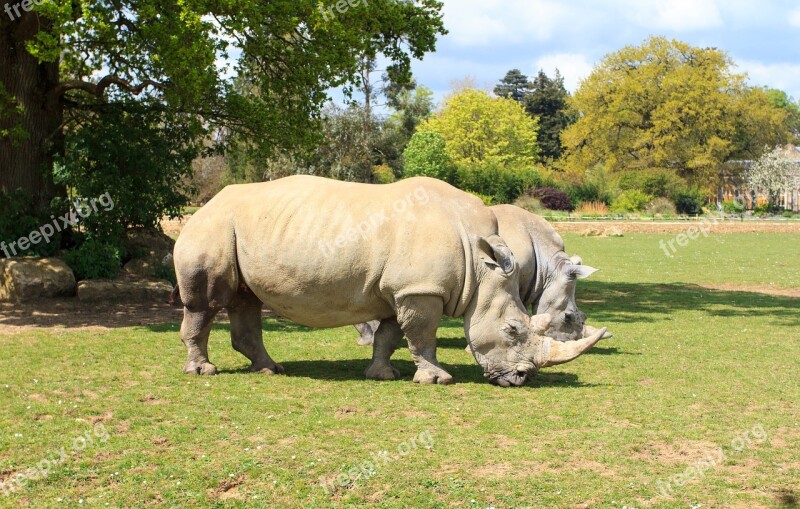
{"x": 609, "y": 303}
{"x": 605, "y": 303}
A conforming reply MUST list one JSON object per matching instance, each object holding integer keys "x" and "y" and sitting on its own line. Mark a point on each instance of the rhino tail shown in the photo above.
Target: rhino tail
{"x": 175, "y": 296}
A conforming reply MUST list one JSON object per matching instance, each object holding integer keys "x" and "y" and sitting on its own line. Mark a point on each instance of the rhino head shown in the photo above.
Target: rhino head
{"x": 510, "y": 345}
{"x": 557, "y": 299}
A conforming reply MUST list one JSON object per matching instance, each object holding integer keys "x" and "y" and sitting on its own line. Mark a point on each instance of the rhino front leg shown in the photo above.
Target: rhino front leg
{"x": 387, "y": 336}
{"x": 247, "y": 337}
{"x": 195, "y": 329}
{"x": 419, "y": 317}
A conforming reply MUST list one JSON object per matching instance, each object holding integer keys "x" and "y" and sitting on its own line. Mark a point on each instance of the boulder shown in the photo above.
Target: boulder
{"x": 124, "y": 290}
{"x": 24, "y": 279}
{"x": 149, "y": 250}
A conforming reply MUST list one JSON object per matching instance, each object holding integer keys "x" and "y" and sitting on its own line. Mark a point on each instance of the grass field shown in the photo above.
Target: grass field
{"x": 693, "y": 403}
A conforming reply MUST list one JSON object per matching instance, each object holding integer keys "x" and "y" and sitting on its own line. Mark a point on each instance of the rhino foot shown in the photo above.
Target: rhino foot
{"x": 269, "y": 369}
{"x": 385, "y": 372}
{"x": 430, "y": 376}
{"x": 200, "y": 368}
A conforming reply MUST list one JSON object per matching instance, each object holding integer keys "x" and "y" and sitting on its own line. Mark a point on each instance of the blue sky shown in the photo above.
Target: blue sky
{"x": 489, "y": 37}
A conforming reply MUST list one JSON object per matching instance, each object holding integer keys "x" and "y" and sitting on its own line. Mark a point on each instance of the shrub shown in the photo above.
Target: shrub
{"x": 689, "y": 202}
{"x": 16, "y": 222}
{"x": 732, "y": 207}
{"x": 631, "y": 200}
{"x": 661, "y": 206}
{"x": 592, "y": 208}
{"x": 552, "y": 198}
{"x": 530, "y": 204}
{"x": 491, "y": 178}
{"x": 139, "y": 157}
{"x": 425, "y": 155}
{"x": 588, "y": 192}
{"x": 94, "y": 260}
{"x": 486, "y": 199}
{"x": 382, "y": 174}
{"x": 658, "y": 182}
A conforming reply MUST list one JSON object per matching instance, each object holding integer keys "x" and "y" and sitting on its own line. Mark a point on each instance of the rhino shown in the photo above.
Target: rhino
{"x": 325, "y": 253}
{"x": 547, "y": 276}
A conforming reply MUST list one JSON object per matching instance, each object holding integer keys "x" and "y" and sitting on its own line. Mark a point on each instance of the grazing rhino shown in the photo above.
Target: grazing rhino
{"x": 325, "y": 253}
{"x": 547, "y": 276}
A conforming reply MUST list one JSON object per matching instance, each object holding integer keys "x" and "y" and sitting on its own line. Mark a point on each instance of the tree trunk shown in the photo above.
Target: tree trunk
{"x": 26, "y": 155}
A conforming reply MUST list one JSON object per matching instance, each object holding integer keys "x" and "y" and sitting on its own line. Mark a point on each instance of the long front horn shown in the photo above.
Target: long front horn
{"x": 558, "y": 352}
{"x": 588, "y": 330}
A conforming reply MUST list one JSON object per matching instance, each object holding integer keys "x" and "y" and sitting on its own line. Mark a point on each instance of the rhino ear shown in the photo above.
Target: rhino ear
{"x": 582, "y": 271}
{"x": 495, "y": 253}
{"x": 576, "y": 260}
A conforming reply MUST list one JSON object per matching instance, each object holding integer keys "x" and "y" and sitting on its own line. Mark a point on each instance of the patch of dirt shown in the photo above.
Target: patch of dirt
{"x": 597, "y": 228}
{"x": 344, "y": 411}
{"x": 153, "y": 400}
{"x": 767, "y": 289}
{"x": 160, "y": 441}
{"x": 228, "y": 489}
{"x": 70, "y": 313}
{"x": 37, "y": 397}
{"x": 681, "y": 452}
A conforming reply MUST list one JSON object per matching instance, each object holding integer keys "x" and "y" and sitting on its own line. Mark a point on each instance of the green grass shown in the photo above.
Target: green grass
{"x": 689, "y": 370}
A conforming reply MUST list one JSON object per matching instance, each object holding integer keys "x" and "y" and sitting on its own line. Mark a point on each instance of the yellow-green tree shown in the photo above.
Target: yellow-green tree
{"x": 479, "y": 128}
{"x": 666, "y": 104}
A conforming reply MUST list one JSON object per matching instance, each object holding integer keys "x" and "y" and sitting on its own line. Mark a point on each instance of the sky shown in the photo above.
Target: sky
{"x": 488, "y": 37}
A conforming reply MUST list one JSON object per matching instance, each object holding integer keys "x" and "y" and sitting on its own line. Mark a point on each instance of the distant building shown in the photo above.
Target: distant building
{"x": 732, "y": 186}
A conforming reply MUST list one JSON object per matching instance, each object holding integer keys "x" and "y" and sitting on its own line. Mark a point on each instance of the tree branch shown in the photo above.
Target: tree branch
{"x": 99, "y": 88}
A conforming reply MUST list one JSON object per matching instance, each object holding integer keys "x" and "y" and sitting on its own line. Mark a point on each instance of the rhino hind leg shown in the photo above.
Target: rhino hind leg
{"x": 195, "y": 329}
{"x": 246, "y": 334}
{"x": 366, "y": 332}
{"x": 387, "y": 335}
{"x": 419, "y": 318}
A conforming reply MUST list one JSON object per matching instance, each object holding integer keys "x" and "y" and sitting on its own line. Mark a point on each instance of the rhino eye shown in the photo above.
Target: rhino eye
{"x": 512, "y": 329}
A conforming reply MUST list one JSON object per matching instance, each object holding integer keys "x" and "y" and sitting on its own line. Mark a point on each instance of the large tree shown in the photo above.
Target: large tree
{"x": 65, "y": 57}
{"x": 477, "y": 128}
{"x": 514, "y": 85}
{"x": 548, "y": 99}
{"x": 666, "y": 104}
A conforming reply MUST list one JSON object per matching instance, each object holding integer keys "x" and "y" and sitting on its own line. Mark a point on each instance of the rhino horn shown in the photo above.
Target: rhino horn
{"x": 588, "y": 330}
{"x": 558, "y": 352}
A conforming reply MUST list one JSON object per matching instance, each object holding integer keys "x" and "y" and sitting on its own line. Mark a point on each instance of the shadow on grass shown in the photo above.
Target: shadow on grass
{"x": 353, "y": 370}
{"x": 642, "y": 302}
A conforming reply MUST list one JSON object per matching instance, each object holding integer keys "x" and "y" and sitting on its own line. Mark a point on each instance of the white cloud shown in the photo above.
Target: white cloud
{"x": 794, "y": 18}
{"x": 677, "y": 15}
{"x": 784, "y": 76}
{"x": 573, "y": 67}
{"x": 483, "y": 22}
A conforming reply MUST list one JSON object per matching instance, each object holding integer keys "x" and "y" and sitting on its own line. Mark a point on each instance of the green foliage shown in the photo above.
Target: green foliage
{"x": 486, "y": 199}
{"x": 631, "y": 200}
{"x": 167, "y": 273}
{"x": 427, "y": 155}
{"x": 16, "y": 222}
{"x": 382, "y": 174}
{"x": 137, "y": 157}
{"x": 478, "y": 128}
{"x": 689, "y": 202}
{"x": 732, "y": 207}
{"x": 504, "y": 184}
{"x": 94, "y": 259}
{"x": 548, "y": 101}
{"x": 552, "y": 198}
{"x": 530, "y": 204}
{"x": 666, "y": 104}
{"x": 514, "y": 85}
{"x": 662, "y": 206}
{"x": 657, "y": 182}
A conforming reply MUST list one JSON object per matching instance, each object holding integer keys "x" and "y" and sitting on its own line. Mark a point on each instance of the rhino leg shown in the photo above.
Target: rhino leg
{"x": 246, "y": 334}
{"x": 194, "y": 333}
{"x": 387, "y": 336}
{"x": 419, "y": 317}
{"x": 366, "y": 332}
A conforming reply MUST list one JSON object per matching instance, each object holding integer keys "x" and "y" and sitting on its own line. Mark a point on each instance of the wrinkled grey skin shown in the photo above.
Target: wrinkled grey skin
{"x": 292, "y": 244}
{"x": 547, "y": 276}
